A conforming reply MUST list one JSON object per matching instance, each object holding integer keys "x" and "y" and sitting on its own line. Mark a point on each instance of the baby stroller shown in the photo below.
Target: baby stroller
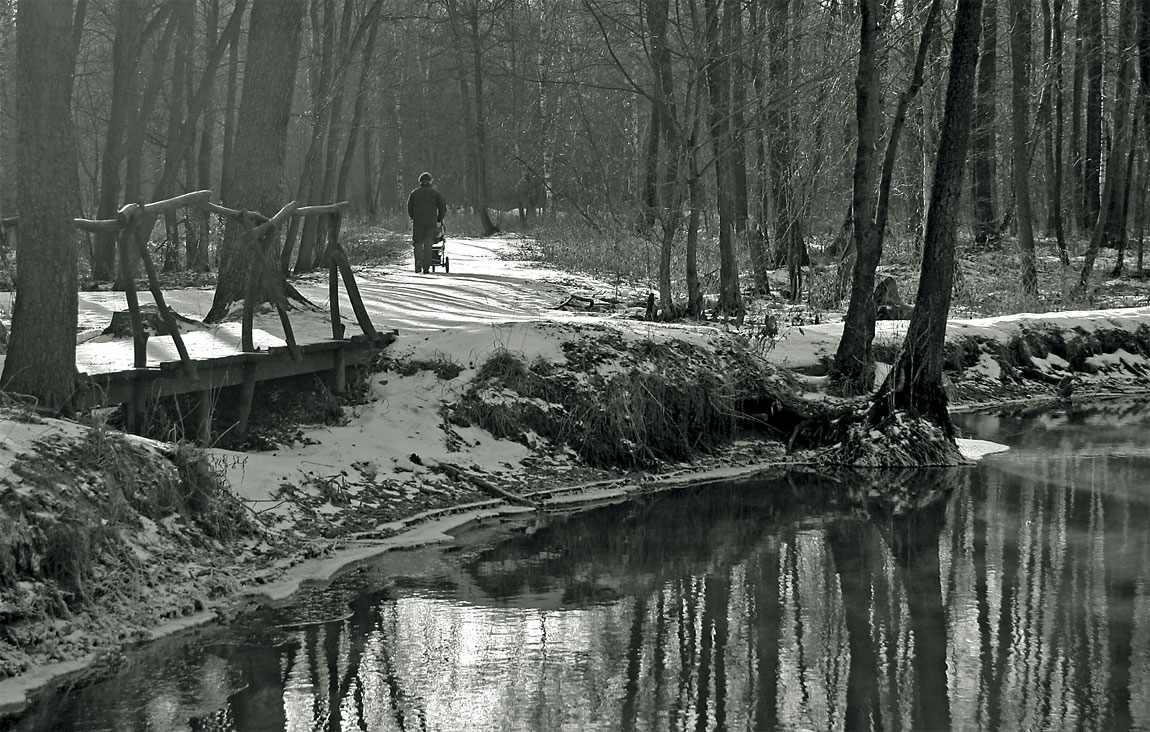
{"x": 438, "y": 250}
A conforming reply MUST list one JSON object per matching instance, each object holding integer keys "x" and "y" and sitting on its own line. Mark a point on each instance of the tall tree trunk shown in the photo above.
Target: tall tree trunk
{"x": 853, "y": 368}
{"x": 650, "y": 213}
{"x": 1115, "y": 186}
{"x": 359, "y": 110}
{"x": 1123, "y": 126}
{"x": 733, "y": 39}
{"x": 1054, "y": 127}
{"x": 718, "y": 85}
{"x": 198, "y": 256}
{"x": 464, "y": 16}
{"x": 184, "y": 18}
{"x": 787, "y": 224}
{"x": 984, "y": 136}
{"x": 759, "y": 238}
{"x": 915, "y": 383}
{"x": 323, "y": 75}
{"x": 230, "y": 113}
{"x": 41, "y": 359}
{"x": 1077, "y": 166}
{"x": 370, "y": 203}
{"x": 1090, "y": 18}
{"x": 1144, "y": 100}
{"x": 695, "y": 198}
{"x": 261, "y": 137}
{"x": 1020, "y": 47}
{"x": 665, "y": 119}
{"x": 125, "y": 52}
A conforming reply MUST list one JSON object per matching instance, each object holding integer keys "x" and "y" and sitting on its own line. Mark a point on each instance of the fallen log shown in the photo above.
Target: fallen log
{"x": 487, "y": 486}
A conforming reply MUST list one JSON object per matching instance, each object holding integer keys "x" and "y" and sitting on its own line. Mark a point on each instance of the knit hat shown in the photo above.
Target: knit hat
{"x": 425, "y": 177}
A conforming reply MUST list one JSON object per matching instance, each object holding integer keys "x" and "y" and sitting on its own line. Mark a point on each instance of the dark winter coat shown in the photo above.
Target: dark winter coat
{"x": 426, "y": 206}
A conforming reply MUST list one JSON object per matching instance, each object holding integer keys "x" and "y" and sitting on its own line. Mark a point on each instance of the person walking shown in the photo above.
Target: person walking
{"x": 426, "y": 207}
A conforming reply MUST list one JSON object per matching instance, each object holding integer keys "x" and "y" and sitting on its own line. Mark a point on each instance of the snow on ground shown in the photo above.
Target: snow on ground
{"x": 487, "y": 302}
{"x": 805, "y": 347}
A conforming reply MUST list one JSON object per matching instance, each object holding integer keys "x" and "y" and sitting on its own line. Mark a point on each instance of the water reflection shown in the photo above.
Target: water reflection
{"x": 1020, "y": 600}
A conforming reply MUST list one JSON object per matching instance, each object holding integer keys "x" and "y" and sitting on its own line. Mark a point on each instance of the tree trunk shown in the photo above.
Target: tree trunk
{"x": 778, "y": 123}
{"x": 759, "y": 238}
{"x": 125, "y": 54}
{"x": 310, "y": 191}
{"x": 983, "y": 134}
{"x": 184, "y": 18}
{"x": 1114, "y": 229}
{"x": 915, "y": 383}
{"x": 733, "y": 39}
{"x": 359, "y": 109}
{"x": 650, "y": 212}
{"x": 464, "y": 16}
{"x": 256, "y": 166}
{"x": 853, "y": 367}
{"x": 718, "y": 85}
{"x": 41, "y": 359}
{"x": 665, "y": 119}
{"x": 1020, "y": 43}
{"x": 197, "y": 256}
{"x": 695, "y": 197}
{"x": 1090, "y": 18}
{"x": 1114, "y": 189}
{"x": 1077, "y": 159}
{"x": 230, "y": 112}
{"x": 1054, "y": 126}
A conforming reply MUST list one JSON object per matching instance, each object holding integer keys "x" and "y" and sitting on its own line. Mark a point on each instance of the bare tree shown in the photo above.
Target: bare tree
{"x": 129, "y": 17}
{"x": 915, "y": 385}
{"x": 41, "y": 360}
{"x": 1112, "y": 206}
{"x": 256, "y": 166}
{"x": 1020, "y": 48}
{"x": 853, "y": 369}
{"x": 719, "y": 94}
{"x": 469, "y": 28}
{"x": 983, "y": 157}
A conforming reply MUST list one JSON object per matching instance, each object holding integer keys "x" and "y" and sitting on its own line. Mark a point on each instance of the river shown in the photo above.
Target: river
{"x": 1017, "y": 596}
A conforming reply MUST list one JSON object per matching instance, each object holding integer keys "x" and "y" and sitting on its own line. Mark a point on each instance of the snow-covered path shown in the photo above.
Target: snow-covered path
{"x": 484, "y": 288}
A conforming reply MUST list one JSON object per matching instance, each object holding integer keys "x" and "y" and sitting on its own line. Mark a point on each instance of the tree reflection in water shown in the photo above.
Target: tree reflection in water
{"x": 1020, "y": 599}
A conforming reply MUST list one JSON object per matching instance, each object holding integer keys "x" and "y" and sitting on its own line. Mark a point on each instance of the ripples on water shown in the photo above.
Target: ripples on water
{"x": 1019, "y": 600}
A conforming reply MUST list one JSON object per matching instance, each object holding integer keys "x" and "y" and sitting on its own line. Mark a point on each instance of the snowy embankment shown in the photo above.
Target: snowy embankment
{"x": 389, "y": 475}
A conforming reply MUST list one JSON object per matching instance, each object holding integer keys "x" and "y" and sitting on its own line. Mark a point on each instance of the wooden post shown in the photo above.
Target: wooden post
{"x": 353, "y": 294}
{"x": 339, "y": 377}
{"x": 247, "y": 394}
{"x": 205, "y": 427}
{"x": 289, "y": 334}
{"x": 247, "y": 344}
{"x": 161, "y": 304}
{"x": 139, "y": 338}
{"x": 138, "y": 407}
{"x": 337, "y": 329}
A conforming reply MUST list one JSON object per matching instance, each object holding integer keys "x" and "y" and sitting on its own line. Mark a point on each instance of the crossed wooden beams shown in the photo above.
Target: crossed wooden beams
{"x": 134, "y": 221}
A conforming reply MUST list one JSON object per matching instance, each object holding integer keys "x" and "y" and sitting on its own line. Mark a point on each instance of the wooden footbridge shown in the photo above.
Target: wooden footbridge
{"x": 141, "y": 385}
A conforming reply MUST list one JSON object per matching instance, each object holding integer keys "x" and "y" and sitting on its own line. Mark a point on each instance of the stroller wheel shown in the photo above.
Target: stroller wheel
{"x": 446, "y": 265}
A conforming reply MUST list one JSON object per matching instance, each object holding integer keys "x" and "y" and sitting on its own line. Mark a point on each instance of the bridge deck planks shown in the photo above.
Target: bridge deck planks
{"x": 168, "y": 378}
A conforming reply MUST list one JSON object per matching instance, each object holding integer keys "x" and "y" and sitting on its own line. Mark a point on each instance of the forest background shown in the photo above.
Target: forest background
{"x": 689, "y": 142}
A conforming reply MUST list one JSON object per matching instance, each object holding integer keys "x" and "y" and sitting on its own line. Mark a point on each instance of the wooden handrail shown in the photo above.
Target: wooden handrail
{"x": 326, "y": 208}
{"x": 192, "y": 198}
{"x": 129, "y": 210}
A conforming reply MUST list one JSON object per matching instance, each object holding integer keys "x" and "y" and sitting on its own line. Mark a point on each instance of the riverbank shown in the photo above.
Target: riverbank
{"x": 461, "y": 419}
